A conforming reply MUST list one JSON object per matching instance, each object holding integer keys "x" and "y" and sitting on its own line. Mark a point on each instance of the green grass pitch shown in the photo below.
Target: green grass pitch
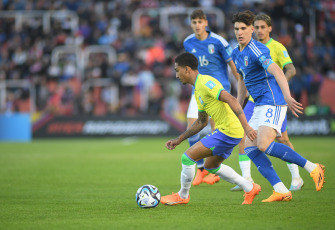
{"x": 91, "y": 184}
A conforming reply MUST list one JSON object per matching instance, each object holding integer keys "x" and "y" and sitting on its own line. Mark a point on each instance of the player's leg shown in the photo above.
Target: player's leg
{"x": 192, "y": 116}
{"x": 189, "y": 158}
{"x": 230, "y": 175}
{"x": 222, "y": 147}
{"x": 265, "y": 135}
{"x": 211, "y": 178}
{"x": 243, "y": 159}
{"x": 297, "y": 182}
{"x": 271, "y": 119}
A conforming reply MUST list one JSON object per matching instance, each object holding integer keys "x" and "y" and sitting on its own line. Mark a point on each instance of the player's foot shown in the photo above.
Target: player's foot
{"x": 238, "y": 188}
{"x": 211, "y": 179}
{"x": 174, "y": 199}
{"x": 200, "y": 176}
{"x": 297, "y": 184}
{"x": 276, "y": 196}
{"x": 249, "y": 196}
{"x": 318, "y": 175}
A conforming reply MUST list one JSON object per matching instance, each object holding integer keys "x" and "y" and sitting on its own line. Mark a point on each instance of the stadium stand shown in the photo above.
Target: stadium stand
{"x": 91, "y": 57}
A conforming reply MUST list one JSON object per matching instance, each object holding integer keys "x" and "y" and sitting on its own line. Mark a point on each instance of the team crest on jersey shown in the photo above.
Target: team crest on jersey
{"x": 201, "y": 101}
{"x": 246, "y": 62}
{"x": 210, "y": 84}
{"x": 211, "y": 48}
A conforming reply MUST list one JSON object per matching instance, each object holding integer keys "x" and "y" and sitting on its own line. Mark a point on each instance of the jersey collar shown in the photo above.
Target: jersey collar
{"x": 196, "y": 79}
{"x": 269, "y": 42}
{"x": 238, "y": 45}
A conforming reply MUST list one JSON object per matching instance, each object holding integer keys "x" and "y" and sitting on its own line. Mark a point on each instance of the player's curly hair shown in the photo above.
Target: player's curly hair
{"x": 198, "y": 14}
{"x": 247, "y": 17}
{"x": 264, "y": 17}
{"x": 187, "y": 59}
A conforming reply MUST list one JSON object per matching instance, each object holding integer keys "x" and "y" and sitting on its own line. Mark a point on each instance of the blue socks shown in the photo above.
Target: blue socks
{"x": 192, "y": 140}
{"x": 285, "y": 153}
{"x": 263, "y": 164}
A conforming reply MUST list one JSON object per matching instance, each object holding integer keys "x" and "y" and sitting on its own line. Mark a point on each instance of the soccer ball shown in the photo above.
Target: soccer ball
{"x": 148, "y": 196}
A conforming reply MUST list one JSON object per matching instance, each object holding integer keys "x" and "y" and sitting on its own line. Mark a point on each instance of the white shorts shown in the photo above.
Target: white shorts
{"x": 268, "y": 115}
{"x": 192, "y": 111}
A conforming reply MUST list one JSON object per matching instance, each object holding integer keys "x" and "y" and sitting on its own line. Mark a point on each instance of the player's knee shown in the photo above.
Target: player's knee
{"x": 262, "y": 146}
{"x": 186, "y": 160}
{"x": 283, "y": 141}
{"x": 211, "y": 164}
{"x": 213, "y": 170}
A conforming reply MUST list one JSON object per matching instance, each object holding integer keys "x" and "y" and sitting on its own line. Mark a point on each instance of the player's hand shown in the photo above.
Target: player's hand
{"x": 172, "y": 144}
{"x": 251, "y": 133}
{"x": 294, "y": 106}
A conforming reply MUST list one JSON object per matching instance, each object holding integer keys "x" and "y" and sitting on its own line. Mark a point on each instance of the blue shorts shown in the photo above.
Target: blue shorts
{"x": 220, "y": 144}
{"x": 249, "y": 110}
{"x": 284, "y": 125}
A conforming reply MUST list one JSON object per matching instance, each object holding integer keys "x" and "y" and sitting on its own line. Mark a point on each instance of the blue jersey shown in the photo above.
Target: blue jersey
{"x": 252, "y": 63}
{"x": 213, "y": 54}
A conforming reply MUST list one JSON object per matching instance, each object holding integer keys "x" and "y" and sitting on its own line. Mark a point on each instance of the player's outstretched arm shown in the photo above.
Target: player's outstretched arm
{"x": 237, "y": 109}
{"x": 197, "y": 126}
{"x": 233, "y": 69}
{"x": 294, "y": 106}
{"x": 241, "y": 90}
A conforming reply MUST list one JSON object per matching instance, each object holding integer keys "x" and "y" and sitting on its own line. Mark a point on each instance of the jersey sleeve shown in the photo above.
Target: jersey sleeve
{"x": 264, "y": 58}
{"x": 282, "y": 55}
{"x": 225, "y": 50}
{"x": 186, "y": 47}
{"x": 213, "y": 88}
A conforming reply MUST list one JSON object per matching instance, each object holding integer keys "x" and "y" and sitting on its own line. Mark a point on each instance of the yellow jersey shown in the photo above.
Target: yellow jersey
{"x": 207, "y": 92}
{"x": 279, "y": 55}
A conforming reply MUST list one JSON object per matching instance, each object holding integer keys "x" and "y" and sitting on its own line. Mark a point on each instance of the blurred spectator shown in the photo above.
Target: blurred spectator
{"x": 142, "y": 80}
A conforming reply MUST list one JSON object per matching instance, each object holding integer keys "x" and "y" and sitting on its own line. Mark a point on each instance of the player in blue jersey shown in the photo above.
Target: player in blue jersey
{"x": 266, "y": 83}
{"x": 279, "y": 54}
{"x": 213, "y": 53}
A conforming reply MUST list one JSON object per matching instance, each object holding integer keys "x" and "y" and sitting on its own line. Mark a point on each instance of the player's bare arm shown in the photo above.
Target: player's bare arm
{"x": 233, "y": 69}
{"x": 197, "y": 126}
{"x": 289, "y": 71}
{"x": 294, "y": 106}
{"x": 242, "y": 92}
{"x": 237, "y": 109}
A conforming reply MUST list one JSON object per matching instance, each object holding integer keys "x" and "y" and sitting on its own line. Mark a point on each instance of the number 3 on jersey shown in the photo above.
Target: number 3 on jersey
{"x": 203, "y": 61}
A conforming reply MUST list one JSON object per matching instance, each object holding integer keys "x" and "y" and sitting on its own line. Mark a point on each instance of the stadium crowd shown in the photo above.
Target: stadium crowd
{"x": 142, "y": 78}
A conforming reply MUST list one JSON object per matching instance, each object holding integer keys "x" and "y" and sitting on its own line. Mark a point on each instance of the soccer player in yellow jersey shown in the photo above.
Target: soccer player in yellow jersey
{"x": 279, "y": 54}
{"x": 230, "y": 124}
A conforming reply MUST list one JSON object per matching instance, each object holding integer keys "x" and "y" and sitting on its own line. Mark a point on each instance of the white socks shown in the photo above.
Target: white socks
{"x": 225, "y": 172}
{"x": 245, "y": 168}
{"x": 228, "y": 174}
{"x": 186, "y": 177}
{"x": 294, "y": 169}
{"x": 280, "y": 187}
{"x": 309, "y": 166}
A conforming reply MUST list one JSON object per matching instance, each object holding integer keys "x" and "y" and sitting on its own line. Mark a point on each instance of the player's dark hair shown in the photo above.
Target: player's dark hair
{"x": 247, "y": 17}
{"x": 266, "y": 18}
{"x": 198, "y": 14}
{"x": 187, "y": 59}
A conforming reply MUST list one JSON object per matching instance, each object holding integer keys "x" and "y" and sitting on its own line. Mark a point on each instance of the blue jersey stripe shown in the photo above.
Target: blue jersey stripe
{"x": 221, "y": 39}
{"x": 254, "y": 49}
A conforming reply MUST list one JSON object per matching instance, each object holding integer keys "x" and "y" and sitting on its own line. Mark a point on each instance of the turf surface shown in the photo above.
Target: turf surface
{"x": 91, "y": 184}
